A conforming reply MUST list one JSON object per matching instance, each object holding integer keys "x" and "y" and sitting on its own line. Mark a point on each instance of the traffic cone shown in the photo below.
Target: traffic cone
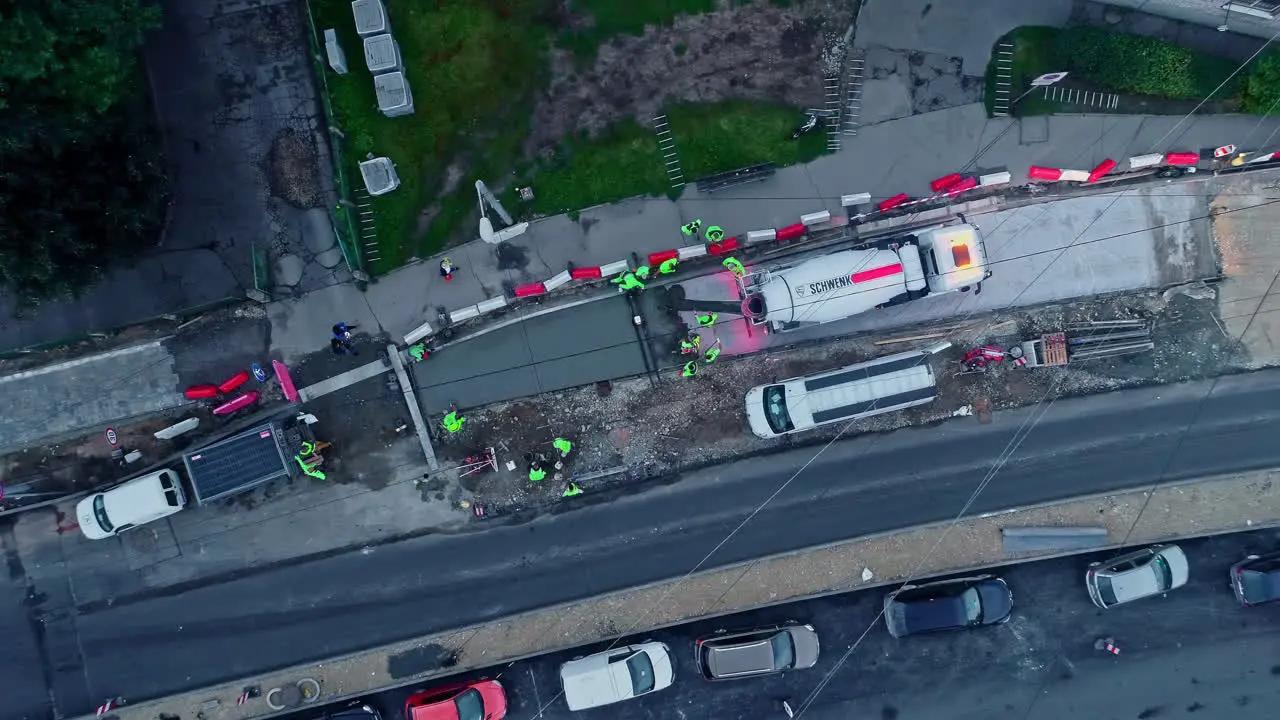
{"x": 1107, "y": 645}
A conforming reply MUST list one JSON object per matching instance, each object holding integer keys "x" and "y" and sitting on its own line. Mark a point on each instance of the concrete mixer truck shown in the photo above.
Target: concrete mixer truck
{"x": 831, "y": 287}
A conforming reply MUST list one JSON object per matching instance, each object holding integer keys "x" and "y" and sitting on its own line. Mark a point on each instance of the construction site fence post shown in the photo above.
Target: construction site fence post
{"x": 344, "y": 226}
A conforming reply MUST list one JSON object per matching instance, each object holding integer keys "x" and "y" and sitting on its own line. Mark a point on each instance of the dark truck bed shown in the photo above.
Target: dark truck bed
{"x": 239, "y": 463}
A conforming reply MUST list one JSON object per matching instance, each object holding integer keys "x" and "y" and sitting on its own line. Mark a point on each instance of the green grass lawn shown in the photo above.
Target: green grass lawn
{"x": 624, "y": 17}
{"x": 1109, "y": 61}
{"x": 625, "y": 162}
{"x": 472, "y": 66}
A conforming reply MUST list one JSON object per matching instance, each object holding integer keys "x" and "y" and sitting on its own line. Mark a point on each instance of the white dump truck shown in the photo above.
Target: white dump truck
{"x": 835, "y": 286}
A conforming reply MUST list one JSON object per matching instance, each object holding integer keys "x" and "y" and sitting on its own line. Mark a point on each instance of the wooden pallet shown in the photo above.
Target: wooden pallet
{"x": 1055, "y": 349}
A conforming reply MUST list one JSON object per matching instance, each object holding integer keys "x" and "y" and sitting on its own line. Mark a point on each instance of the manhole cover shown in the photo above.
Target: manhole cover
{"x": 982, "y": 409}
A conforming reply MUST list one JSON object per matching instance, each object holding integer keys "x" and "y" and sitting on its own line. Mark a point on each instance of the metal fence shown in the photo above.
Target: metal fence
{"x": 343, "y": 214}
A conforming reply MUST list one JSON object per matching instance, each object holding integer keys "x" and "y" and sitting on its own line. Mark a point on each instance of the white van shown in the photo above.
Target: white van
{"x": 893, "y": 382}
{"x": 127, "y": 506}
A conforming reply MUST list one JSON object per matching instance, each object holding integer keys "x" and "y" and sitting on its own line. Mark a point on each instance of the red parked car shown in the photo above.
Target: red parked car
{"x": 480, "y": 700}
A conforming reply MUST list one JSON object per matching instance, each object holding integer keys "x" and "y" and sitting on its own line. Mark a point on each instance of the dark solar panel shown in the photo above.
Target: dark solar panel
{"x": 235, "y": 464}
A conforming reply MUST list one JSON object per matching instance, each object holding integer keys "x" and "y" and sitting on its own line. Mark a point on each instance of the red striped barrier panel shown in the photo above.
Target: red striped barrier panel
{"x": 659, "y": 257}
{"x": 944, "y": 182}
{"x": 791, "y": 232}
{"x": 201, "y": 392}
{"x": 891, "y": 203}
{"x": 1182, "y": 158}
{"x": 234, "y": 382}
{"x": 1103, "y": 168}
{"x": 529, "y": 290}
{"x": 1043, "y": 173}
{"x": 242, "y": 401}
{"x": 968, "y": 183}
{"x": 727, "y": 245}
{"x": 586, "y": 273}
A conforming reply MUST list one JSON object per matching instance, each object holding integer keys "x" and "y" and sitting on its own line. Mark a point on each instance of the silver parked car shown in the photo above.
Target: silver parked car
{"x": 727, "y": 656}
{"x": 1133, "y": 576}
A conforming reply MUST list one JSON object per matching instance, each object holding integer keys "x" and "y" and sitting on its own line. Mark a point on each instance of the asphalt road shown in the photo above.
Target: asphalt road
{"x": 1192, "y": 653}
{"x": 588, "y": 343}
{"x": 145, "y": 646}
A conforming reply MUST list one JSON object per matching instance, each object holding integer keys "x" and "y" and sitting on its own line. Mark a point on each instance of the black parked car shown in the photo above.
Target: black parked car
{"x": 947, "y": 605}
{"x": 1256, "y": 579}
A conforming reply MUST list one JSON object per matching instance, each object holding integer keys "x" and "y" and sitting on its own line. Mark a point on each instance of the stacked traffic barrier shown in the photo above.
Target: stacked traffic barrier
{"x": 1180, "y": 160}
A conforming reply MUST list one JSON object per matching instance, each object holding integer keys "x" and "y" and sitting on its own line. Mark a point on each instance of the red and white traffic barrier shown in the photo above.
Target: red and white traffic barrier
{"x": 1182, "y": 158}
{"x": 529, "y": 290}
{"x": 893, "y": 202}
{"x": 1036, "y": 172}
{"x": 555, "y": 281}
{"x": 586, "y": 273}
{"x": 759, "y": 236}
{"x": 815, "y": 218}
{"x": 995, "y": 178}
{"x": 688, "y": 252}
{"x": 496, "y": 302}
{"x": 1101, "y": 170}
{"x": 726, "y": 245}
{"x": 946, "y": 182}
{"x": 855, "y": 200}
{"x": 464, "y": 314}
{"x": 615, "y": 268}
{"x": 658, "y": 258}
{"x": 791, "y": 232}
{"x": 962, "y": 185}
{"x": 1139, "y": 162}
{"x": 108, "y": 706}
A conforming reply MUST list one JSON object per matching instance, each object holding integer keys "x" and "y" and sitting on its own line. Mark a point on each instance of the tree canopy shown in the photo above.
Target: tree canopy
{"x": 82, "y": 180}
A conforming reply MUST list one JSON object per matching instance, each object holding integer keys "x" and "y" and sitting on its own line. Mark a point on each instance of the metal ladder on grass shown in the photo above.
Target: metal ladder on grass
{"x": 667, "y": 146}
{"x": 1004, "y": 79}
{"x": 831, "y": 90}
{"x": 365, "y": 226}
{"x": 853, "y": 94}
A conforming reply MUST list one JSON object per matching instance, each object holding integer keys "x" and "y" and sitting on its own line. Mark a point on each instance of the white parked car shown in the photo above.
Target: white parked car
{"x": 1150, "y": 571}
{"x": 618, "y": 674}
{"x": 139, "y": 501}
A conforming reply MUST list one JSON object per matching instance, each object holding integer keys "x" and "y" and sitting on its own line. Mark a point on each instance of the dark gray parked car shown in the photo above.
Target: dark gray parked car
{"x": 1256, "y": 579}
{"x": 728, "y": 656}
{"x": 947, "y": 605}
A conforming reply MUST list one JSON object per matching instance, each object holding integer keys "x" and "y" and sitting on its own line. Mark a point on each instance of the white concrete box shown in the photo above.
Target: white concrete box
{"x": 381, "y": 54}
{"x": 371, "y": 17}
{"x": 394, "y": 98}
{"x": 379, "y": 175}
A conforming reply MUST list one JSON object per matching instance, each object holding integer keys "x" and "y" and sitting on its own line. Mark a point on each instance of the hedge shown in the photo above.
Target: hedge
{"x": 1143, "y": 65}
